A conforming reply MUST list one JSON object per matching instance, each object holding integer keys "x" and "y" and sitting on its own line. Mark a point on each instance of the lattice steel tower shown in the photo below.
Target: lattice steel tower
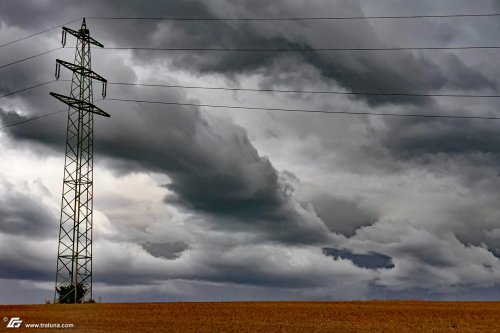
{"x": 74, "y": 258}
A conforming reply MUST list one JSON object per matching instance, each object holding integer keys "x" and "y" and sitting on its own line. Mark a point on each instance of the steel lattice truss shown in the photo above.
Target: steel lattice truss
{"x": 74, "y": 259}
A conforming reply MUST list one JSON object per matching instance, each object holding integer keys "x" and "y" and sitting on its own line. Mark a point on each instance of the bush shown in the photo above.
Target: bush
{"x": 67, "y": 293}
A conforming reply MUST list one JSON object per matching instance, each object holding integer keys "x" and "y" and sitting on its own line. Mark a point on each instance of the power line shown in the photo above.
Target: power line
{"x": 38, "y": 117}
{"x": 324, "y": 92}
{"x": 259, "y": 19}
{"x": 306, "y": 49}
{"x": 308, "y": 111}
{"x": 267, "y": 50}
{"x": 31, "y": 119}
{"x": 28, "y": 58}
{"x": 330, "y": 18}
{"x": 28, "y": 88}
{"x": 303, "y": 91}
{"x": 386, "y": 114}
{"x": 38, "y": 33}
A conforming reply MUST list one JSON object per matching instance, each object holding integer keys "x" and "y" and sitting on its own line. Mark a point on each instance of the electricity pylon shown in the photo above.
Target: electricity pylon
{"x": 74, "y": 258}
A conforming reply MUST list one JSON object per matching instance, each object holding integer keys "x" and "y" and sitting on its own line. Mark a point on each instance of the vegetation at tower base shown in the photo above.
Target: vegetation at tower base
{"x": 67, "y": 293}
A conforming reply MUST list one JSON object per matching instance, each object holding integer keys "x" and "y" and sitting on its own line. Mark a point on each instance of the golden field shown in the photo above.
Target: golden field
{"x": 369, "y": 316}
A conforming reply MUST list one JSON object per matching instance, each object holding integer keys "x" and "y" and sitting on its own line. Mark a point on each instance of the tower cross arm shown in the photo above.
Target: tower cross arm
{"x": 83, "y": 36}
{"x": 80, "y": 69}
{"x": 76, "y": 103}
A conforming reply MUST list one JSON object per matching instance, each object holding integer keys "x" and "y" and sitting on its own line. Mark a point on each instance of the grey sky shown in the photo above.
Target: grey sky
{"x": 214, "y": 204}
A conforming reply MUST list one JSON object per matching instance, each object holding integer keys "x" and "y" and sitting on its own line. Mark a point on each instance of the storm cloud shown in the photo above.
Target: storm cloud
{"x": 195, "y": 203}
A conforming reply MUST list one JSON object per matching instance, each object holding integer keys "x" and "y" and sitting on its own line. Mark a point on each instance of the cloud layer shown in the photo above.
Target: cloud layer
{"x": 200, "y": 204}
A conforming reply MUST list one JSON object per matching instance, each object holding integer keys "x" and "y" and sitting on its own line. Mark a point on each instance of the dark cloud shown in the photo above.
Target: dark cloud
{"x": 18, "y": 270}
{"x": 24, "y": 258}
{"x": 341, "y": 215}
{"x": 427, "y": 257}
{"x": 356, "y": 71}
{"x": 213, "y": 166}
{"x": 371, "y": 260}
{"x": 214, "y": 169}
{"x": 242, "y": 184}
{"x": 25, "y": 215}
{"x": 464, "y": 77}
{"x": 47, "y": 132}
{"x": 377, "y": 72}
{"x": 27, "y": 225}
{"x": 480, "y": 212}
{"x": 413, "y": 138}
{"x": 169, "y": 250}
{"x": 220, "y": 179}
{"x": 258, "y": 276}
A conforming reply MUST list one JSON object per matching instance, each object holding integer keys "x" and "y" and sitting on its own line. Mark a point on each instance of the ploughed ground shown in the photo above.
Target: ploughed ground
{"x": 362, "y": 316}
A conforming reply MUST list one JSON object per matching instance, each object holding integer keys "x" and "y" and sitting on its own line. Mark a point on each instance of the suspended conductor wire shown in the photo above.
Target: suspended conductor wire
{"x": 303, "y": 91}
{"x": 28, "y": 88}
{"x": 321, "y": 49}
{"x": 381, "y": 114}
{"x": 327, "y": 18}
{"x": 39, "y": 33}
{"x": 388, "y": 114}
{"x": 322, "y": 92}
{"x": 28, "y": 58}
{"x": 31, "y": 119}
{"x": 36, "y": 118}
{"x": 331, "y": 18}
